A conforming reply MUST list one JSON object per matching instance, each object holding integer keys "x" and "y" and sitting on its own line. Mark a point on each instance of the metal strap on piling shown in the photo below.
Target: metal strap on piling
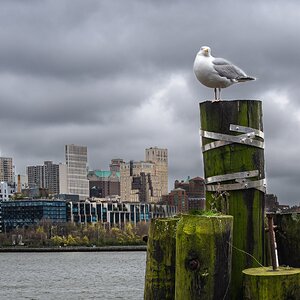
{"x": 242, "y": 181}
{"x": 246, "y": 138}
{"x": 242, "y": 185}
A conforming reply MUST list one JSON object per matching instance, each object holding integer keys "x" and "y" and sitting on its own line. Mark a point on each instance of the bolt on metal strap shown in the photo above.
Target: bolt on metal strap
{"x": 225, "y": 139}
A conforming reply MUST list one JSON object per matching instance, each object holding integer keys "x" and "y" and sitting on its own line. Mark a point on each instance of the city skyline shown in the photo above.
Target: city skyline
{"x": 118, "y": 78}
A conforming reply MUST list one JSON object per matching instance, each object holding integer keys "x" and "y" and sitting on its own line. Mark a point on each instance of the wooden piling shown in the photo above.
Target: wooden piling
{"x": 288, "y": 238}
{"x": 267, "y": 284}
{"x": 203, "y": 257}
{"x": 161, "y": 256}
{"x": 233, "y": 156}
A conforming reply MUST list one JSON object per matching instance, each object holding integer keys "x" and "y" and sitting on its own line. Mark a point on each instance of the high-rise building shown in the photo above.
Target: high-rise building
{"x": 36, "y": 176}
{"x": 145, "y": 181}
{"x": 52, "y": 177}
{"x": 76, "y": 161}
{"x": 63, "y": 179}
{"x": 6, "y": 170}
{"x": 160, "y": 158}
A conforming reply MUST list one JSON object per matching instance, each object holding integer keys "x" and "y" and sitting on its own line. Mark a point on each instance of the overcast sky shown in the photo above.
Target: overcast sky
{"x": 117, "y": 77}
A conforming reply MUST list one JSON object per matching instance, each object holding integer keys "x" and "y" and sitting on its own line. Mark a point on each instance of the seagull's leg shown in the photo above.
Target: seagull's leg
{"x": 219, "y": 94}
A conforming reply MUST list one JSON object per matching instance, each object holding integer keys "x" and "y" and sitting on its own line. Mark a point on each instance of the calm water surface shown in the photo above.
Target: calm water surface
{"x": 73, "y": 275}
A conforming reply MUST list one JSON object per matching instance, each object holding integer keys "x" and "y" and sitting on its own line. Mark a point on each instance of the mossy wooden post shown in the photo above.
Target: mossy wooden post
{"x": 288, "y": 239}
{"x": 160, "y": 265}
{"x": 266, "y": 284}
{"x": 203, "y": 257}
{"x": 233, "y": 156}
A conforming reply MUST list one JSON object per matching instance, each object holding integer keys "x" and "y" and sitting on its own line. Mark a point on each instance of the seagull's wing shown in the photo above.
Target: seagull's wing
{"x": 227, "y": 69}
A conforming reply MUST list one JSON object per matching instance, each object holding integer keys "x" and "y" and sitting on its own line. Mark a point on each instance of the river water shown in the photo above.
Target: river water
{"x": 72, "y": 275}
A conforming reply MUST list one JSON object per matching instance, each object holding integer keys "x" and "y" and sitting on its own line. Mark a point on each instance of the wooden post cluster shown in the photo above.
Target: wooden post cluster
{"x": 189, "y": 258}
{"x": 233, "y": 156}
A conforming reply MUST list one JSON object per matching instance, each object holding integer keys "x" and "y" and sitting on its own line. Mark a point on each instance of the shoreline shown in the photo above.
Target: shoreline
{"x": 76, "y": 249}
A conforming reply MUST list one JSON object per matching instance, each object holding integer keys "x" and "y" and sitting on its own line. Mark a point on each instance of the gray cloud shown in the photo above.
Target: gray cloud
{"x": 117, "y": 77}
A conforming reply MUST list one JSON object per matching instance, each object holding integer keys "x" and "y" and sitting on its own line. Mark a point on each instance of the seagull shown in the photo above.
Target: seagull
{"x": 217, "y": 73}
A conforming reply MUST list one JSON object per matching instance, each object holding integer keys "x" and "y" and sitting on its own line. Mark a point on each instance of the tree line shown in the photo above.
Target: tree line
{"x": 47, "y": 234}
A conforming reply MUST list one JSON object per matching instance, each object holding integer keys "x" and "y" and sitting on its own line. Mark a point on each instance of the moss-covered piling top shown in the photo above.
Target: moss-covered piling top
{"x": 207, "y": 215}
{"x": 268, "y": 271}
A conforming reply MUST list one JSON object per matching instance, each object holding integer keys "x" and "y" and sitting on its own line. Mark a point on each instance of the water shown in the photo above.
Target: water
{"x": 72, "y": 275}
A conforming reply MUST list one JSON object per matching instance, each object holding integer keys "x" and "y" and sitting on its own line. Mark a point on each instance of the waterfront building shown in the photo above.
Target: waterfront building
{"x": 23, "y": 213}
{"x": 116, "y": 213}
{"x": 145, "y": 181}
{"x": 76, "y": 161}
{"x": 7, "y": 170}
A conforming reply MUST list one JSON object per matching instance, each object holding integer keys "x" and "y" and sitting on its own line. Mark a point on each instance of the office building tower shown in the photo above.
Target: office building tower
{"x": 6, "y": 170}
{"x": 159, "y": 157}
{"x": 145, "y": 181}
{"x": 76, "y": 161}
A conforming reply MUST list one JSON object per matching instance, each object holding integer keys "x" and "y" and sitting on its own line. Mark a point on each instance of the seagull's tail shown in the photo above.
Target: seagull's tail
{"x": 245, "y": 78}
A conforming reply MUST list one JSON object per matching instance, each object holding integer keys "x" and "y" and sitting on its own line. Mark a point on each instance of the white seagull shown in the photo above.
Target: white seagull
{"x": 217, "y": 73}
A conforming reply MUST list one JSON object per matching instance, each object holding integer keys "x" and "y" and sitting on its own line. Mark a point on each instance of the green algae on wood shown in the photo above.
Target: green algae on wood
{"x": 246, "y": 206}
{"x": 288, "y": 238}
{"x": 266, "y": 284}
{"x": 160, "y": 264}
{"x": 203, "y": 257}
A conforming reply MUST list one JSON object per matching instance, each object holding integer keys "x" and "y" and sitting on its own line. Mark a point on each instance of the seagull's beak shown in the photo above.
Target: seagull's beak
{"x": 206, "y": 51}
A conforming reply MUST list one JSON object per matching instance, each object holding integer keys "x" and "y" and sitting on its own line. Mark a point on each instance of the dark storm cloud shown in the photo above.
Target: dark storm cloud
{"x": 117, "y": 76}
